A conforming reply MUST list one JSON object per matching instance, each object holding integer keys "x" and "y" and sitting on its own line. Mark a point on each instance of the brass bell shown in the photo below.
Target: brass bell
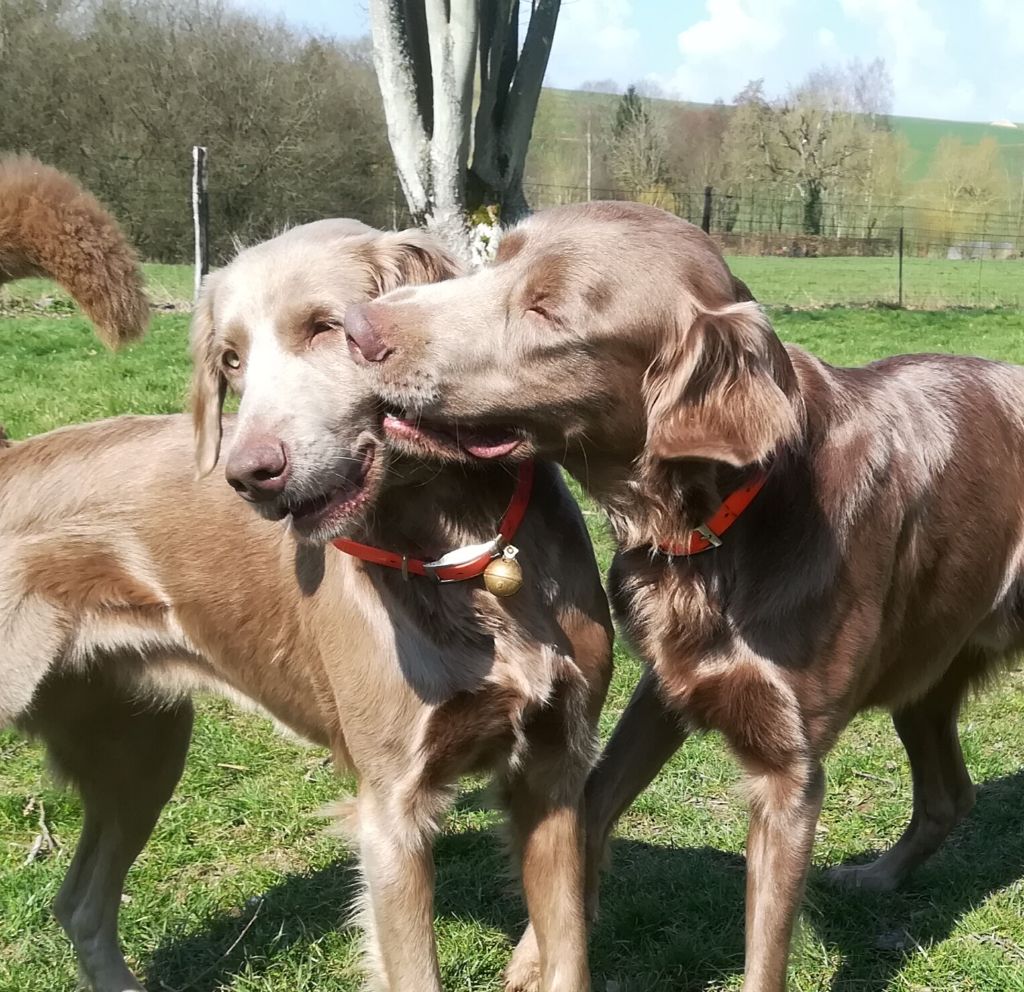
{"x": 503, "y": 577}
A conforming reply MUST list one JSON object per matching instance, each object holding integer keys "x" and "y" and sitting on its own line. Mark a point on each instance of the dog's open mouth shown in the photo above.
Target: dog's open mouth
{"x": 451, "y": 439}
{"x": 325, "y": 514}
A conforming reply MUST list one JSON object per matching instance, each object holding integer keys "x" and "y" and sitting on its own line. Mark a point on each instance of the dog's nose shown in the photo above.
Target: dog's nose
{"x": 364, "y": 339}
{"x": 258, "y": 471}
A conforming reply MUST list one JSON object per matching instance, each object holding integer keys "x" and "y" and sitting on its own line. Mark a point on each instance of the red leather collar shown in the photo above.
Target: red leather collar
{"x": 709, "y": 535}
{"x": 444, "y": 570}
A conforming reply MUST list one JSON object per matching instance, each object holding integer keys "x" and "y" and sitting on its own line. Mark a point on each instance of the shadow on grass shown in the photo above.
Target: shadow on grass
{"x": 984, "y": 855}
{"x": 671, "y": 919}
{"x": 473, "y": 882}
{"x": 297, "y": 911}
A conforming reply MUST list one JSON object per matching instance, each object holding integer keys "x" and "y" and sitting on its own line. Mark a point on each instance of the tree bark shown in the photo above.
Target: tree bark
{"x": 504, "y": 127}
{"x": 425, "y": 55}
{"x": 812, "y": 207}
{"x": 393, "y": 61}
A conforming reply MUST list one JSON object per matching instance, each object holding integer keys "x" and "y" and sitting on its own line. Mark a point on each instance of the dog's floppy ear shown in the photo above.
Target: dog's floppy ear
{"x": 209, "y": 386}
{"x": 410, "y": 258}
{"x": 725, "y": 391}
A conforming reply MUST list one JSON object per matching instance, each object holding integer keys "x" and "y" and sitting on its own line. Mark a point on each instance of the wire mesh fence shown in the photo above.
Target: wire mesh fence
{"x": 855, "y": 253}
{"x": 844, "y": 252}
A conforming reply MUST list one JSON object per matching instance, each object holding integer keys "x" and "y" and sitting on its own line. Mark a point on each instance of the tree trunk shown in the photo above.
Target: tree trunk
{"x": 813, "y": 207}
{"x": 509, "y": 94}
{"x": 430, "y": 137}
{"x": 397, "y": 72}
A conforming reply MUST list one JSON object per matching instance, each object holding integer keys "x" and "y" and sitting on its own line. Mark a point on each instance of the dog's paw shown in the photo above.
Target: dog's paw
{"x": 525, "y": 979}
{"x": 873, "y": 877}
{"x": 523, "y": 971}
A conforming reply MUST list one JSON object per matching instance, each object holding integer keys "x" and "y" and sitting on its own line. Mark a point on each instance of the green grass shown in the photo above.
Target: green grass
{"x": 240, "y": 889}
{"x": 928, "y": 283}
{"x": 166, "y": 286}
{"x": 55, "y": 372}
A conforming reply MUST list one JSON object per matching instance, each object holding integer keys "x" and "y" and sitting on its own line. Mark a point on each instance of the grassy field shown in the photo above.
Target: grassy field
{"x": 241, "y": 890}
{"x": 928, "y": 283}
{"x": 167, "y": 286}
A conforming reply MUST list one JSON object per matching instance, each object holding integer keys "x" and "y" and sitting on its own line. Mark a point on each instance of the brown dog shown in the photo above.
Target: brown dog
{"x": 124, "y": 585}
{"x": 880, "y": 564}
{"x": 51, "y": 227}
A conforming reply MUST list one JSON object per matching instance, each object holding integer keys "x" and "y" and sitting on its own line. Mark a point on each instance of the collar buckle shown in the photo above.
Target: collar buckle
{"x": 463, "y": 556}
{"x": 709, "y": 535}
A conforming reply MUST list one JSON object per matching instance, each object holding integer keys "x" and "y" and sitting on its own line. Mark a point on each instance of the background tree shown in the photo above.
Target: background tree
{"x": 426, "y": 53}
{"x": 118, "y": 91}
{"x": 638, "y": 149}
{"x": 968, "y": 177}
{"x": 694, "y": 144}
{"x": 821, "y": 139}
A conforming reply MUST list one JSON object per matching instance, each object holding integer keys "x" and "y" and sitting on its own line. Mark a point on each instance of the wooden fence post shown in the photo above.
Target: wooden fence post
{"x": 200, "y": 215}
{"x": 705, "y": 221}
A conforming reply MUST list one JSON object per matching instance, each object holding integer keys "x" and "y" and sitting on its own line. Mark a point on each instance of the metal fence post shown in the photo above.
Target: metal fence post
{"x": 900, "y": 298}
{"x": 200, "y": 215}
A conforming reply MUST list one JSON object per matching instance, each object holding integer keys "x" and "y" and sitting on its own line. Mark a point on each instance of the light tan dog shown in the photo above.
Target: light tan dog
{"x": 125, "y": 585}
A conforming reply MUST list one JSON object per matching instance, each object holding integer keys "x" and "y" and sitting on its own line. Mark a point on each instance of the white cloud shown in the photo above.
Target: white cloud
{"x": 735, "y": 41}
{"x": 917, "y": 52}
{"x": 735, "y": 26}
{"x": 594, "y": 40}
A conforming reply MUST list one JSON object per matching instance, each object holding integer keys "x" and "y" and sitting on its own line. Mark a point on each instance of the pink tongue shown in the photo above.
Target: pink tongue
{"x": 395, "y": 422}
{"x": 481, "y": 447}
{"x": 483, "y": 450}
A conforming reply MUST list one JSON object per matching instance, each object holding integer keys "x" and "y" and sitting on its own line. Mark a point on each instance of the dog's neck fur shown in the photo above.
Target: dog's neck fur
{"x": 663, "y": 504}
{"x": 651, "y": 502}
{"x": 426, "y": 511}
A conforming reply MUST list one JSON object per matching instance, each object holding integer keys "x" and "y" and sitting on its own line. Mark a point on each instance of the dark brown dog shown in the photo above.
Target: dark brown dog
{"x": 880, "y": 565}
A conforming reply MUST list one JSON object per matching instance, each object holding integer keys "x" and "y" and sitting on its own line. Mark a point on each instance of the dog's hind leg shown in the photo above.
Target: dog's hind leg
{"x": 943, "y": 791}
{"x": 124, "y": 756}
{"x": 648, "y": 733}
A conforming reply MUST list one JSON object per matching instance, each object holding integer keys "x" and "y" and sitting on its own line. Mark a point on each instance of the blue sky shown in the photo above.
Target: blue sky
{"x": 958, "y": 59}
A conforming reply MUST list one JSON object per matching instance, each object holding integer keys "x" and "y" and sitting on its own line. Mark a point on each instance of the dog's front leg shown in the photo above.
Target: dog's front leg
{"x": 544, "y": 796}
{"x": 550, "y": 838}
{"x": 646, "y": 736}
{"x": 784, "y": 811}
{"x": 398, "y": 868}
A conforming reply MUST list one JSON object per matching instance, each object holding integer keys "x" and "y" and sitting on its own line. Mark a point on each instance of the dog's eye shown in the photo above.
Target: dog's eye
{"x": 324, "y": 325}
{"x": 230, "y": 360}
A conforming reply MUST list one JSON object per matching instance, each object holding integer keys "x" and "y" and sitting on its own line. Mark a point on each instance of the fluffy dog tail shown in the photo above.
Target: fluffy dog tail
{"x": 50, "y": 226}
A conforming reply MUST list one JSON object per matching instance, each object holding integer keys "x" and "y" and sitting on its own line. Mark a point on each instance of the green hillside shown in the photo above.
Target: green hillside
{"x": 923, "y": 135}
{"x": 560, "y": 128}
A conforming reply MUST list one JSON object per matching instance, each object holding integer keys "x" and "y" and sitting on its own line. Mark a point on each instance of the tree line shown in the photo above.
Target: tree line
{"x": 118, "y": 91}
{"x": 826, "y": 146}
